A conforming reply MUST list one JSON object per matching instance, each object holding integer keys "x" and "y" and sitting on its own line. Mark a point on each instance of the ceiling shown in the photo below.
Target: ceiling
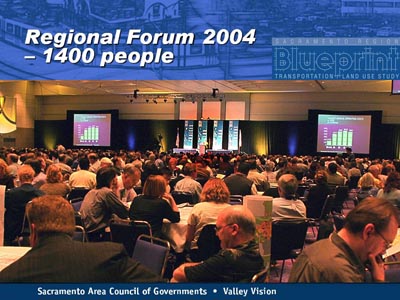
{"x": 123, "y": 87}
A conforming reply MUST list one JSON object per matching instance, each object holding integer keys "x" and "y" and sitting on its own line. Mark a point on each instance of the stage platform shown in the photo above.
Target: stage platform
{"x": 194, "y": 151}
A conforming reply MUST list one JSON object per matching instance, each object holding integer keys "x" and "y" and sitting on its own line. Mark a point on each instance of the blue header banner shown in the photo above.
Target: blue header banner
{"x": 184, "y": 39}
{"x": 194, "y": 291}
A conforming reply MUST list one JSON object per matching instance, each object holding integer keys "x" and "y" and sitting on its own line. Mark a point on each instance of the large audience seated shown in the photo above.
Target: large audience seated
{"x": 135, "y": 185}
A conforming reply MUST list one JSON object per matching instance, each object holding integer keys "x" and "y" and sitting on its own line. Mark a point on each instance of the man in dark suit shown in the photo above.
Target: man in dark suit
{"x": 55, "y": 257}
{"x": 15, "y": 202}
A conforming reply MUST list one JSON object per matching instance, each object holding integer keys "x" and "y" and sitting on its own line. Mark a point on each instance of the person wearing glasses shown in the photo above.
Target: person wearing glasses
{"x": 239, "y": 258}
{"x": 368, "y": 232}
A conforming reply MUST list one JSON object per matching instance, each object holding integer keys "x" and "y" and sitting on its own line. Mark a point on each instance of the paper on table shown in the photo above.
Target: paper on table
{"x": 10, "y": 254}
{"x": 395, "y": 247}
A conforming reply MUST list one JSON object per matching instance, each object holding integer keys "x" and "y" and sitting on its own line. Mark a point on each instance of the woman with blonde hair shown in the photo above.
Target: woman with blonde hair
{"x": 154, "y": 205}
{"x": 367, "y": 187}
{"x": 213, "y": 199}
{"x": 54, "y": 182}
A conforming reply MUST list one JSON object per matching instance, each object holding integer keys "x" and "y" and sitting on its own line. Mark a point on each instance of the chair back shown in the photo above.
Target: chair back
{"x": 77, "y": 193}
{"x": 127, "y": 233}
{"x": 272, "y": 191}
{"x": 80, "y": 234}
{"x": 208, "y": 243}
{"x": 287, "y": 239}
{"x": 78, "y": 219}
{"x": 76, "y": 203}
{"x": 183, "y": 197}
{"x": 152, "y": 252}
{"x": 341, "y": 195}
{"x": 338, "y": 220}
{"x": 301, "y": 189}
{"x": 353, "y": 182}
{"x": 261, "y": 277}
{"x": 236, "y": 200}
{"x": 23, "y": 236}
{"x": 328, "y": 206}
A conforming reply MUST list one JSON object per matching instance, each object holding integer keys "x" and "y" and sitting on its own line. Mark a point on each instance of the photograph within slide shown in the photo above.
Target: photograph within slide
{"x": 92, "y": 130}
{"x": 336, "y": 132}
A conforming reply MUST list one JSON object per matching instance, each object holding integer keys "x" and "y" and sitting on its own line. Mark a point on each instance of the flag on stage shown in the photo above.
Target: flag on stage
{"x": 177, "y": 138}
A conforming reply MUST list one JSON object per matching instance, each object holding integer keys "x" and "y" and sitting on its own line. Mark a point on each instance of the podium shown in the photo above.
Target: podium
{"x": 202, "y": 149}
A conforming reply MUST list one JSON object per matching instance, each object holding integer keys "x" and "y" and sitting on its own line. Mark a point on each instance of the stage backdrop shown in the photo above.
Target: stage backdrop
{"x": 260, "y": 137}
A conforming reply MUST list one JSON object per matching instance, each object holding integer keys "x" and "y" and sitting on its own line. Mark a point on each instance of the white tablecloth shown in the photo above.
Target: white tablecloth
{"x": 176, "y": 232}
{"x": 10, "y": 254}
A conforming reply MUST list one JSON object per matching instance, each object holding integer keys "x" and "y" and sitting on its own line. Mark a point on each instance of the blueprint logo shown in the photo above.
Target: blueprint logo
{"x": 336, "y": 58}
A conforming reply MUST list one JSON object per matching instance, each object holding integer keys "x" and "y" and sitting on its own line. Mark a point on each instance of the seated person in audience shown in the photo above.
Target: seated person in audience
{"x": 64, "y": 163}
{"x": 203, "y": 175}
{"x": 129, "y": 178}
{"x": 154, "y": 205}
{"x": 316, "y": 195}
{"x": 105, "y": 162}
{"x": 15, "y": 202}
{"x": 100, "y": 204}
{"x": 368, "y": 231}
{"x": 239, "y": 184}
{"x": 391, "y": 190}
{"x": 269, "y": 172}
{"x": 237, "y": 261}
{"x": 259, "y": 179}
{"x": 287, "y": 206}
{"x": 213, "y": 199}
{"x": 189, "y": 184}
{"x": 94, "y": 162}
{"x": 167, "y": 174}
{"x": 13, "y": 166}
{"x": 83, "y": 178}
{"x": 376, "y": 171}
{"x": 366, "y": 187}
{"x": 55, "y": 257}
{"x": 353, "y": 170}
{"x": 334, "y": 177}
{"x": 40, "y": 177}
{"x": 5, "y": 176}
{"x": 54, "y": 182}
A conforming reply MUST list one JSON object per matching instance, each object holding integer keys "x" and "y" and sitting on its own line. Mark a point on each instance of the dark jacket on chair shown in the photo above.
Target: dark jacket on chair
{"x": 15, "y": 202}
{"x": 57, "y": 258}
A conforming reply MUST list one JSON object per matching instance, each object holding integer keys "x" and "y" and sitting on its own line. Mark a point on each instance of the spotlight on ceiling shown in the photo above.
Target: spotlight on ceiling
{"x": 135, "y": 93}
{"x": 215, "y": 92}
{"x": 165, "y": 100}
